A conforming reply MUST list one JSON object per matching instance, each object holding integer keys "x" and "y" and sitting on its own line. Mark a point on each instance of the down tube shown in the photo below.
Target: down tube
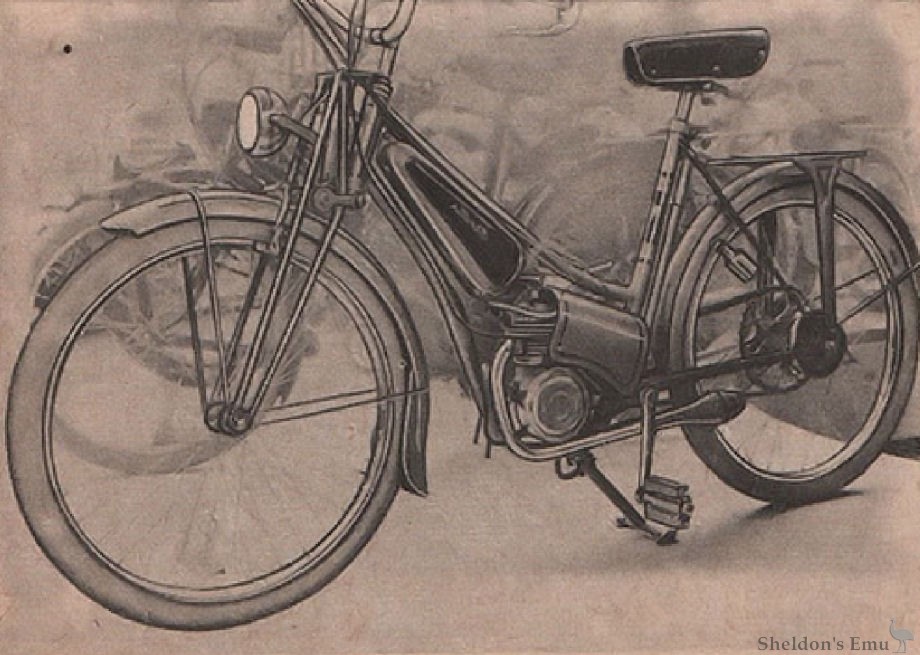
{"x": 440, "y": 280}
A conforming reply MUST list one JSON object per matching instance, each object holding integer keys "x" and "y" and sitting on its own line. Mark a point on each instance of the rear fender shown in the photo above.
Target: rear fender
{"x": 748, "y": 187}
{"x": 179, "y": 208}
{"x": 744, "y": 190}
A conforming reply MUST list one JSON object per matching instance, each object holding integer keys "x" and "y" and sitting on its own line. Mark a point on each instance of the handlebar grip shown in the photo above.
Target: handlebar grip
{"x": 394, "y": 30}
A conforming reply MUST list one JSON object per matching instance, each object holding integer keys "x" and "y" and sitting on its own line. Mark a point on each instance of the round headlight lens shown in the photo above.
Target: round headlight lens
{"x": 255, "y": 132}
{"x": 247, "y": 123}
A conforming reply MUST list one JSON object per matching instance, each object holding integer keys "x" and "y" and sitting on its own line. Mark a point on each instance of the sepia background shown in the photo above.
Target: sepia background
{"x": 106, "y": 103}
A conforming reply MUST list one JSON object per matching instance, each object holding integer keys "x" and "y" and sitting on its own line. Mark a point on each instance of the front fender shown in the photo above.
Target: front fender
{"x": 179, "y": 208}
{"x": 170, "y": 210}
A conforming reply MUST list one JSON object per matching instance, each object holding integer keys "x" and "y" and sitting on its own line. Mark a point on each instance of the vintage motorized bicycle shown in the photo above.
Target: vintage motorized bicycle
{"x": 246, "y": 467}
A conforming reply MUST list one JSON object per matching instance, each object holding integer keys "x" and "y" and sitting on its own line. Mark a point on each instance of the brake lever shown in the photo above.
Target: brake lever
{"x": 568, "y": 13}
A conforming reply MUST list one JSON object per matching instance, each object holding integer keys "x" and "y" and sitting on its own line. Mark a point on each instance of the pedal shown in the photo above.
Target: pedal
{"x": 741, "y": 264}
{"x": 667, "y": 502}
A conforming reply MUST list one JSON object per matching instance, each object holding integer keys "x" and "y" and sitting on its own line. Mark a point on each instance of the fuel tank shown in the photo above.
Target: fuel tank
{"x": 469, "y": 234}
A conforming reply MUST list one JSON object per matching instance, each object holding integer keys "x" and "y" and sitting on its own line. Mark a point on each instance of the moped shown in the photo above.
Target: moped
{"x": 228, "y": 451}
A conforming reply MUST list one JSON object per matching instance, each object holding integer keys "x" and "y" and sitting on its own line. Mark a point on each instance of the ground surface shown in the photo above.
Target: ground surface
{"x": 503, "y": 557}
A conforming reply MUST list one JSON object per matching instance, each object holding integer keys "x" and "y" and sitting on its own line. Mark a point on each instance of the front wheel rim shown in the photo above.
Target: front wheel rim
{"x": 291, "y": 567}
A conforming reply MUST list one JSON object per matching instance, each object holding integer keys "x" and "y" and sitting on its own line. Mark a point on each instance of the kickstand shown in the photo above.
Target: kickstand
{"x": 587, "y": 465}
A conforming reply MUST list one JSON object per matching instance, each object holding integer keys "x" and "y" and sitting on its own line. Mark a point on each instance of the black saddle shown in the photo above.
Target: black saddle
{"x": 696, "y": 58}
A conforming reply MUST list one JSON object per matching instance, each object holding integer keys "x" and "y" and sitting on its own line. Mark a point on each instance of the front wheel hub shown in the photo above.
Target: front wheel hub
{"x": 818, "y": 344}
{"x": 235, "y": 422}
{"x": 227, "y": 420}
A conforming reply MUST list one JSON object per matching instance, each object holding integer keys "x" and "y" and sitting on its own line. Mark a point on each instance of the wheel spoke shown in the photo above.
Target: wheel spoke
{"x": 853, "y": 280}
{"x": 892, "y": 284}
{"x": 863, "y": 305}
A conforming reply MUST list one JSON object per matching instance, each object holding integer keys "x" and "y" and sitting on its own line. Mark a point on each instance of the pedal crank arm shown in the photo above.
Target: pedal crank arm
{"x": 667, "y": 502}
{"x": 647, "y": 398}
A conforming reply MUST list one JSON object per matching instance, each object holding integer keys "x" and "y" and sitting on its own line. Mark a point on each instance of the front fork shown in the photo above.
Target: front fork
{"x": 234, "y": 406}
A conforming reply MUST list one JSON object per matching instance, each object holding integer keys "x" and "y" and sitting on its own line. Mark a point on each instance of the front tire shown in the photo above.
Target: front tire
{"x": 140, "y": 505}
{"x": 802, "y": 437}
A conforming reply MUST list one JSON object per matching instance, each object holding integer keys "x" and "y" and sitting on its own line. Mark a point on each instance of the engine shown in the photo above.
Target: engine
{"x": 574, "y": 360}
{"x": 554, "y": 404}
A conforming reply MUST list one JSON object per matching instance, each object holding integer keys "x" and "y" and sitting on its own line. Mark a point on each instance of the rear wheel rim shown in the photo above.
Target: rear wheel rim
{"x": 749, "y": 445}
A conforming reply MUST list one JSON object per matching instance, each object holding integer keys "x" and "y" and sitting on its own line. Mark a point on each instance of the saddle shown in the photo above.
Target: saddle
{"x": 695, "y": 59}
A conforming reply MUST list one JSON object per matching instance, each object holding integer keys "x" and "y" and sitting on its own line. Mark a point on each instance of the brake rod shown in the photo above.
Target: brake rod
{"x": 337, "y": 408}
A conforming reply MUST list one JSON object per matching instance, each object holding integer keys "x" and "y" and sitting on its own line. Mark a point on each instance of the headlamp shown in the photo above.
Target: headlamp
{"x": 256, "y": 134}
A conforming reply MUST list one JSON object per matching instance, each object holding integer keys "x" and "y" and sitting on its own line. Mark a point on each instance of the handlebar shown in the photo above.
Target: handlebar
{"x": 387, "y": 35}
{"x": 396, "y": 28}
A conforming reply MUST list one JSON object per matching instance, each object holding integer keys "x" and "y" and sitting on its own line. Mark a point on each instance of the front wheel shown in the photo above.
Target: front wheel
{"x": 815, "y": 422}
{"x": 135, "y": 499}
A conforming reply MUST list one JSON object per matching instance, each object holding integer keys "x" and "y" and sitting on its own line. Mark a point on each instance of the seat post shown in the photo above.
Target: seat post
{"x": 685, "y": 99}
{"x": 662, "y": 217}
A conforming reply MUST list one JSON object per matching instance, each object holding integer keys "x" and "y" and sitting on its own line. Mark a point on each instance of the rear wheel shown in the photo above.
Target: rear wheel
{"x": 813, "y": 424}
{"x": 135, "y": 499}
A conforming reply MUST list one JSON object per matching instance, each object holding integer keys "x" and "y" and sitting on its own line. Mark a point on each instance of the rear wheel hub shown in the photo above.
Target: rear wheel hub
{"x": 818, "y": 344}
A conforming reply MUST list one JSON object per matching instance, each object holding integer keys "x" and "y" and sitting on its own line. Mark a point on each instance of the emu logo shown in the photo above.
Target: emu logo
{"x": 901, "y": 635}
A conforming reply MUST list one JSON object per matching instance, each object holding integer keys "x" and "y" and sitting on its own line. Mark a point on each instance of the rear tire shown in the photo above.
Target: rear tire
{"x": 801, "y": 438}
